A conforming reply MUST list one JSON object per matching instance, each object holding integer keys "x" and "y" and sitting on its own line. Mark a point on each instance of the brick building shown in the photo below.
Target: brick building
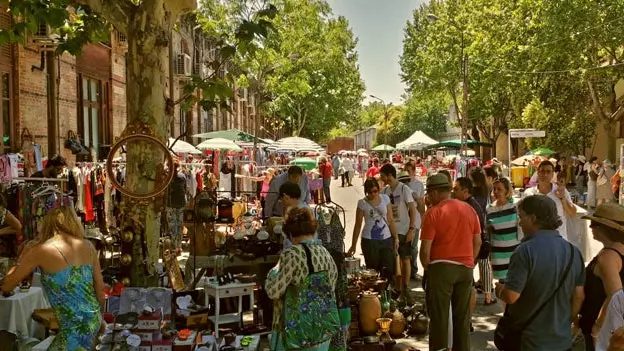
{"x": 91, "y": 94}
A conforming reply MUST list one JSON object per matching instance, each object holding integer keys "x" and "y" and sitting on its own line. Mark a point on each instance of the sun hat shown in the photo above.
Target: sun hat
{"x": 404, "y": 176}
{"x": 609, "y": 214}
{"x": 581, "y": 158}
{"x": 438, "y": 181}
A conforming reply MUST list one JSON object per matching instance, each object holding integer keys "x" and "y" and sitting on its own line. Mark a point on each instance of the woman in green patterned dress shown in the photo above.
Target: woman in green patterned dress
{"x": 71, "y": 278}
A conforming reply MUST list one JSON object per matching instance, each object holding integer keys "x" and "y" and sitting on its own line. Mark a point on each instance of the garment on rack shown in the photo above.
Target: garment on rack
{"x": 5, "y": 170}
{"x": 331, "y": 232}
{"x": 89, "y": 215}
{"x": 38, "y": 159}
{"x": 80, "y": 189}
{"x": 14, "y": 162}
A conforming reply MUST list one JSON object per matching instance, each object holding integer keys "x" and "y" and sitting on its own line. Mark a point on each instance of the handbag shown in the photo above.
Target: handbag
{"x": 486, "y": 244}
{"x": 72, "y": 143}
{"x": 508, "y": 337}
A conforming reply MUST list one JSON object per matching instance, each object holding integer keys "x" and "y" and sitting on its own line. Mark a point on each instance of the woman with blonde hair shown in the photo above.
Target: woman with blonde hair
{"x": 70, "y": 275}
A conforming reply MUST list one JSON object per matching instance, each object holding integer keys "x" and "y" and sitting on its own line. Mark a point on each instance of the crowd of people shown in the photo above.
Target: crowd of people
{"x": 450, "y": 224}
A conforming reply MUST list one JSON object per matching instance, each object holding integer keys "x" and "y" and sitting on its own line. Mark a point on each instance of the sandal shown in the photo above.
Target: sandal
{"x": 492, "y": 301}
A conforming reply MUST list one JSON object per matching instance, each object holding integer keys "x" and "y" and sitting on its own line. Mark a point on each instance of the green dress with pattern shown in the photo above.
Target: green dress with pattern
{"x": 72, "y": 296}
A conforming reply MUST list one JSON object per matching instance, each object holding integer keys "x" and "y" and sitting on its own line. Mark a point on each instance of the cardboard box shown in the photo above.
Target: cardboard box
{"x": 187, "y": 344}
{"x": 150, "y": 321}
{"x": 147, "y": 335}
{"x": 162, "y": 345}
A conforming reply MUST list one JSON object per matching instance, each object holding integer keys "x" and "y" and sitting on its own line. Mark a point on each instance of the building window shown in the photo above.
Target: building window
{"x": 93, "y": 122}
{"x": 182, "y": 121}
{"x": 207, "y": 120}
{"x": 7, "y": 125}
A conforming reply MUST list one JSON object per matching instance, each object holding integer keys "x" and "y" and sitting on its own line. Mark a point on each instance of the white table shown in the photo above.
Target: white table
{"x": 16, "y": 311}
{"x": 229, "y": 290}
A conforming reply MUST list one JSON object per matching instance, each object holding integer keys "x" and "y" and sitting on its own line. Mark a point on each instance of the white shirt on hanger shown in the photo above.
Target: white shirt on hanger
{"x": 80, "y": 187}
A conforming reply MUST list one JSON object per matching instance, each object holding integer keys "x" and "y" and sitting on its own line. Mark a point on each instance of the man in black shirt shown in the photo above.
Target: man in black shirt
{"x": 53, "y": 168}
{"x": 176, "y": 201}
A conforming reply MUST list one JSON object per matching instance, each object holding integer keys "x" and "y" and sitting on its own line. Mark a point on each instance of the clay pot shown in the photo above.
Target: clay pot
{"x": 420, "y": 324}
{"x": 398, "y": 324}
{"x": 381, "y": 285}
{"x": 370, "y": 310}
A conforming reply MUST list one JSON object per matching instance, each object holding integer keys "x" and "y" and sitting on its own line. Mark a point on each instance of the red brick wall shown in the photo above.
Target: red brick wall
{"x": 97, "y": 61}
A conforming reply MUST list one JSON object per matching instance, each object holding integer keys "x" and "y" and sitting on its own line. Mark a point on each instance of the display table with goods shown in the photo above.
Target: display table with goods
{"x": 376, "y": 320}
{"x": 159, "y": 319}
{"x": 16, "y": 311}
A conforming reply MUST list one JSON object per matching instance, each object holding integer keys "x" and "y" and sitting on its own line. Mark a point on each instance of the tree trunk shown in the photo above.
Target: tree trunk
{"x": 147, "y": 25}
{"x": 147, "y": 64}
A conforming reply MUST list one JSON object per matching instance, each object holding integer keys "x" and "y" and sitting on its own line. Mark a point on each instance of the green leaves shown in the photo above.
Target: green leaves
{"x": 73, "y": 28}
{"x": 520, "y": 53}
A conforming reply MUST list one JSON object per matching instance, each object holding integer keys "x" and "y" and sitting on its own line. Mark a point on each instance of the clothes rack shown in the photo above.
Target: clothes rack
{"x": 43, "y": 180}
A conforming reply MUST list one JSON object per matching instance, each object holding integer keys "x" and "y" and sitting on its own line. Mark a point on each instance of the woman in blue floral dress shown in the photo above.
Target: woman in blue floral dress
{"x": 71, "y": 278}
{"x": 292, "y": 269}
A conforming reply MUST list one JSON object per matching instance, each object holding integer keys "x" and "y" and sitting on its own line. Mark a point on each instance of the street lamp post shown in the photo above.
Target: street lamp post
{"x": 464, "y": 74}
{"x": 385, "y": 116}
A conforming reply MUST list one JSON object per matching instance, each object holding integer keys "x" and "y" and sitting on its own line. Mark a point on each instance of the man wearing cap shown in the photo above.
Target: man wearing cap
{"x": 560, "y": 195}
{"x": 450, "y": 242}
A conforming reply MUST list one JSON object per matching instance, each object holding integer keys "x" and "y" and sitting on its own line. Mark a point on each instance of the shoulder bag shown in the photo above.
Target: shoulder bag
{"x": 508, "y": 337}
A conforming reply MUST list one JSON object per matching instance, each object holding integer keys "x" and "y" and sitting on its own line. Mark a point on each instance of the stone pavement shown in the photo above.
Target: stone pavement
{"x": 485, "y": 317}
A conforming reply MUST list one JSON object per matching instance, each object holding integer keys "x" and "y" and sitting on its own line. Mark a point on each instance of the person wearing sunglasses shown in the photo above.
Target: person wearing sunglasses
{"x": 604, "y": 274}
{"x": 379, "y": 235}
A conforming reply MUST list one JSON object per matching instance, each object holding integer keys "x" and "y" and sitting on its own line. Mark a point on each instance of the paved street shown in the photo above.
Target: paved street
{"x": 485, "y": 318}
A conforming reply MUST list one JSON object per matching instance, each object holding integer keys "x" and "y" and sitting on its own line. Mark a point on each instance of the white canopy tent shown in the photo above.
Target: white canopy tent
{"x": 416, "y": 141}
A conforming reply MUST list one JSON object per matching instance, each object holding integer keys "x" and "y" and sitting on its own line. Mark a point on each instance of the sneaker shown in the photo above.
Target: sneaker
{"x": 417, "y": 277}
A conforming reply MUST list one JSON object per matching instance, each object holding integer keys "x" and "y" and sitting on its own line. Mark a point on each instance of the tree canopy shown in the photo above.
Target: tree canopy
{"x": 531, "y": 55}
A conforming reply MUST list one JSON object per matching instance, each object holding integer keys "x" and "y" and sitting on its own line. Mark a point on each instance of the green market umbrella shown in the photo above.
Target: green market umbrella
{"x": 542, "y": 151}
{"x": 307, "y": 164}
{"x": 383, "y": 147}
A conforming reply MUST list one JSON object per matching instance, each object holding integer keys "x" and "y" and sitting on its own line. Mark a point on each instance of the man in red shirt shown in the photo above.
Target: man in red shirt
{"x": 326, "y": 169}
{"x": 373, "y": 170}
{"x": 450, "y": 242}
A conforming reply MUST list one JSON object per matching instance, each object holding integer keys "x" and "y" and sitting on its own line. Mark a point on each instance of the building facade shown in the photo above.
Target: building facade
{"x": 91, "y": 92}
{"x": 365, "y": 138}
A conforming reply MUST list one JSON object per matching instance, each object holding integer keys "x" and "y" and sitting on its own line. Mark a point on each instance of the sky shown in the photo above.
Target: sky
{"x": 378, "y": 25}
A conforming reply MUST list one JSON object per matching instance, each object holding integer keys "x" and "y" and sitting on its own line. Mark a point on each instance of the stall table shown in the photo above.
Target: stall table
{"x": 16, "y": 311}
{"x": 203, "y": 262}
{"x": 239, "y": 290}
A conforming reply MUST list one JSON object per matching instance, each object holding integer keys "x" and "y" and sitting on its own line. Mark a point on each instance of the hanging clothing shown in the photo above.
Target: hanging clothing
{"x": 38, "y": 159}
{"x": 88, "y": 200}
{"x": 5, "y": 170}
{"x": 227, "y": 181}
{"x": 80, "y": 189}
{"x": 247, "y": 183}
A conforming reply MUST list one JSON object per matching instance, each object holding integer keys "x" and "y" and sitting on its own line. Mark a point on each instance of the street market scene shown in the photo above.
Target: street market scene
{"x": 363, "y": 175}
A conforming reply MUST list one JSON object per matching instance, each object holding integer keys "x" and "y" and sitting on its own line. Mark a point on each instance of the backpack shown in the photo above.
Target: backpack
{"x": 310, "y": 313}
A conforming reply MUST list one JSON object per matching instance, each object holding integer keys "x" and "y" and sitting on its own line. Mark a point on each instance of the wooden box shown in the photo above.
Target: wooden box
{"x": 187, "y": 344}
{"x": 150, "y": 321}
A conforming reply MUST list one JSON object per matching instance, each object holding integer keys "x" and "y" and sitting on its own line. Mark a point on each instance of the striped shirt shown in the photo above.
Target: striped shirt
{"x": 506, "y": 236}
